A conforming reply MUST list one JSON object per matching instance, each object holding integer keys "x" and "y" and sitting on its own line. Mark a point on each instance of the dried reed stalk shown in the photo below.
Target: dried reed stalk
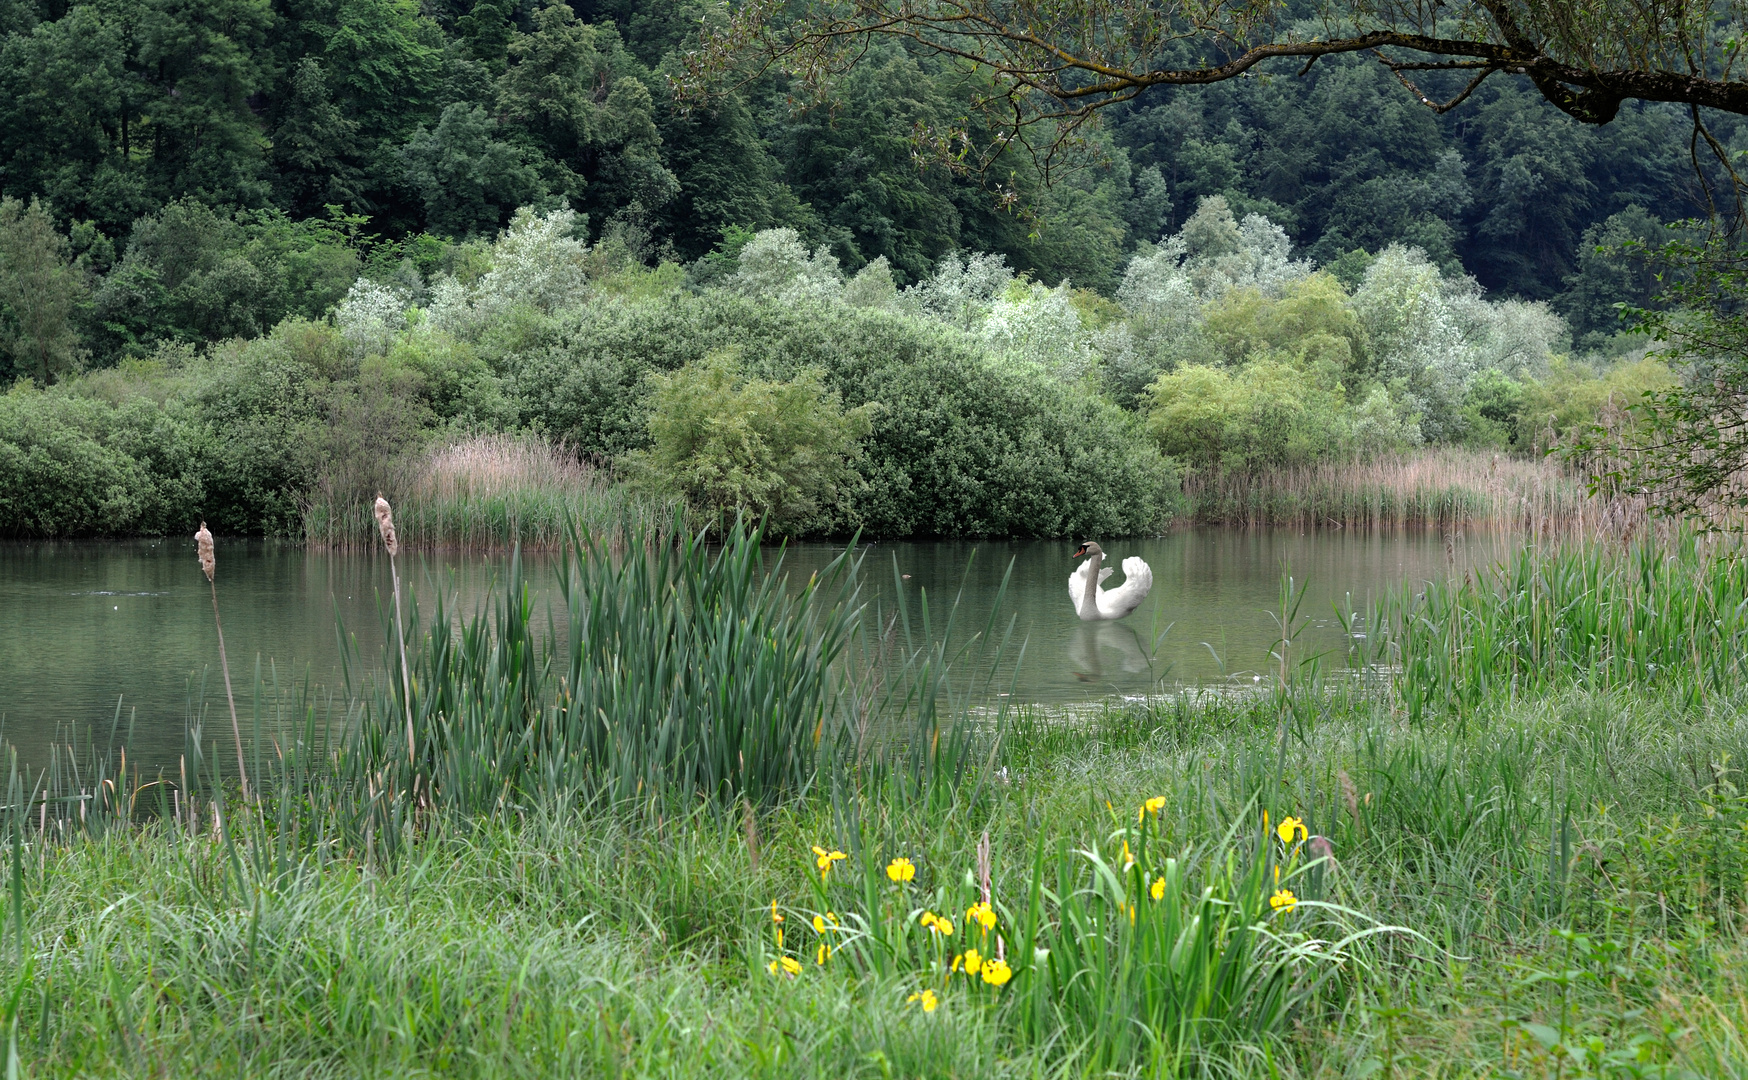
{"x": 203, "y": 548}
{"x": 385, "y": 524}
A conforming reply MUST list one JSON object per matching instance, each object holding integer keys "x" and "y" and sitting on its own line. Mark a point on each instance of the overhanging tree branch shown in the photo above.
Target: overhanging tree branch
{"x": 1057, "y": 62}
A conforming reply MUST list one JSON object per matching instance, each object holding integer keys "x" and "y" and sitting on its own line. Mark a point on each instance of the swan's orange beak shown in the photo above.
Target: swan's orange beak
{"x": 1078, "y": 552}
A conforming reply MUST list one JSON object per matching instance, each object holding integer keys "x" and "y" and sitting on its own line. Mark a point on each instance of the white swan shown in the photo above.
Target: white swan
{"x": 1095, "y": 604}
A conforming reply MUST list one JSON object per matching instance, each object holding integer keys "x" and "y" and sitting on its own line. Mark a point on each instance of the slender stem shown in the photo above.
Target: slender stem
{"x": 224, "y": 662}
{"x": 401, "y": 639}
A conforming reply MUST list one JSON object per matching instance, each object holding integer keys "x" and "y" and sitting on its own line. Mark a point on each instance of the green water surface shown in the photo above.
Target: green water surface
{"x": 86, "y": 625}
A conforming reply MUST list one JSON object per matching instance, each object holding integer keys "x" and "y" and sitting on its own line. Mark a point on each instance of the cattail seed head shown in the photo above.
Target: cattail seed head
{"x": 385, "y": 524}
{"x": 203, "y": 546}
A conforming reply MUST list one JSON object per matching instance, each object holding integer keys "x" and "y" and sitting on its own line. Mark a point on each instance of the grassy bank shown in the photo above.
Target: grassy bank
{"x": 573, "y": 873}
{"x": 1446, "y": 487}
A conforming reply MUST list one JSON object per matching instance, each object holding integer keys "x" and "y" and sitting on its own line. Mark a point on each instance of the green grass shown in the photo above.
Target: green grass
{"x": 1546, "y": 877}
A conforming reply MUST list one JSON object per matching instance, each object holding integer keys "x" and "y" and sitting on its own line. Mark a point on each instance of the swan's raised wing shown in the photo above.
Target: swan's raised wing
{"x": 1077, "y": 582}
{"x": 1137, "y": 582}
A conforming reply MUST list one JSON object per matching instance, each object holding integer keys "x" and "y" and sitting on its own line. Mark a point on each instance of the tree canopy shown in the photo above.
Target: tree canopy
{"x": 1060, "y": 60}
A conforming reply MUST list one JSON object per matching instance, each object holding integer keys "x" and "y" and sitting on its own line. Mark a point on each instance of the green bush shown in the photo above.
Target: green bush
{"x": 1270, "y": 413}
{"x": 1574, "y": 396}
{"x": 77, "y": 466}
{"x": 961, "y": 446}
{"x": 780, "y": 450}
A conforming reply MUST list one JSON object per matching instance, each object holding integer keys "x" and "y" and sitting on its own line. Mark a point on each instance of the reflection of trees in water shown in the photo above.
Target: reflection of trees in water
{"x": 1091, "y": 640}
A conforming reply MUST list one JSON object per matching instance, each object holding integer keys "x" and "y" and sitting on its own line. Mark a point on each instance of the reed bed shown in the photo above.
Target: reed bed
{"x": 1441, "y": 488}
{"x": 483, "y": 492}
{"x": 1663, "y": 613}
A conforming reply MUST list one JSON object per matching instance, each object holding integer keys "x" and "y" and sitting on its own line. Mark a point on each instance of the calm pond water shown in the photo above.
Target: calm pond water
{"x": 83, "y": 625}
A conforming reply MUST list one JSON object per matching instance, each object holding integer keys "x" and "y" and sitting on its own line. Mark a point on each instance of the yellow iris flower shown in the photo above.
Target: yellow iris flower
{"x": 824, "y": 859}
{"x": 1283, "y": 900}
{"x": 1291, "y": 828}
{"x": 900, "y": 869}
{"x": 997, "y": 972}
{"x": 785, "y": 964}
{"x": 981, "y": 914}
{"x": 929, "y": 1001}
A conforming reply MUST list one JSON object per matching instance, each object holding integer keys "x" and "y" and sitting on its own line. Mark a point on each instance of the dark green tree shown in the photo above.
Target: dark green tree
{"x": 41, "y": 295}
{"x": 470, "y": 179}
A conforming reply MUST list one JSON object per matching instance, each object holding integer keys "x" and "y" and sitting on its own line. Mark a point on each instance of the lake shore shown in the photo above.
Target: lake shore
{"x": 1380, "y": 872}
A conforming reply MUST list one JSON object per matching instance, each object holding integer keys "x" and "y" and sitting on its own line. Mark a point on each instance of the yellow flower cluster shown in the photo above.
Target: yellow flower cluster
{"x": 1283, "y": 900}
{"x": 929, "y": 1001}
{"x": 943, "y": 927}
{"x": 823, "y": 925}
{"x": 786, "y": 965}
{"x": 901, "y": 870}
{"x": 1151, "y": 806}
{"x": 993, "y": 970}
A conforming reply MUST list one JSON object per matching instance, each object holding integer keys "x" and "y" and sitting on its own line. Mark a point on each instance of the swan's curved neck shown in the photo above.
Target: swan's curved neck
{"x": 1089, "y": 600}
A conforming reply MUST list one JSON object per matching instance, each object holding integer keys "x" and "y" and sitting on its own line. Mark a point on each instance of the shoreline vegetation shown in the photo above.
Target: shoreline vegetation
{"x": 716, "y": 827}
{"x": 500, "y": 491}
{"x": 506, "y": 383}
{"x": 1447, "y": 487}
{"x": 483, "y": 492}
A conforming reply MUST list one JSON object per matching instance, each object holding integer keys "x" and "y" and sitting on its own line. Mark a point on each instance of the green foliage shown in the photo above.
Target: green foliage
{"x": 42, "y": 295}
{"x": 1558, "y": 409}
{"x": 469, "y": 178}
{"x": 1276, "y": 411}
{"x": 1312, "y": 320}
{"x": 1493, "y": 410}
{"x": 1683, "y": 444}
{"x": 194, "y": 274}
{"x": 78, "y": 466}
{"x": 1613, "y": 272}
{"x": 960, "y": 446}
{"x": 781, "y": 451}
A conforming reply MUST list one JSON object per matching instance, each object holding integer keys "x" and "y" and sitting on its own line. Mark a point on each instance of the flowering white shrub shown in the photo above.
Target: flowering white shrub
{"x": 775, "y": 264}
{"x": 1039, "y": 325}
{"x": 1416, "y": 319}
{"x": 961, "y": 292}
{"x": 873, "y": 287}
{"x": 370, "y": 316}
{"x": 450, "y": 308}
{"x": 537, "y": 261}
{"x": 1516, "y": 337}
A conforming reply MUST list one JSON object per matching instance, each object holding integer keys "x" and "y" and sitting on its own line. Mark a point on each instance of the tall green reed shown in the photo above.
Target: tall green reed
{"x": 1667, "y": 614}
{"x": 682, "y": 670}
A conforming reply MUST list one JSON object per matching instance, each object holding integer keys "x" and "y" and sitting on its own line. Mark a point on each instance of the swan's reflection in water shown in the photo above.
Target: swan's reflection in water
{"x": 1098, "y": 648}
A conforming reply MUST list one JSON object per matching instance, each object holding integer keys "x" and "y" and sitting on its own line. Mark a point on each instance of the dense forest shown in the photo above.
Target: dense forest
{"x": 405, "y": 121}
{"x": 1268, "y": 271}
